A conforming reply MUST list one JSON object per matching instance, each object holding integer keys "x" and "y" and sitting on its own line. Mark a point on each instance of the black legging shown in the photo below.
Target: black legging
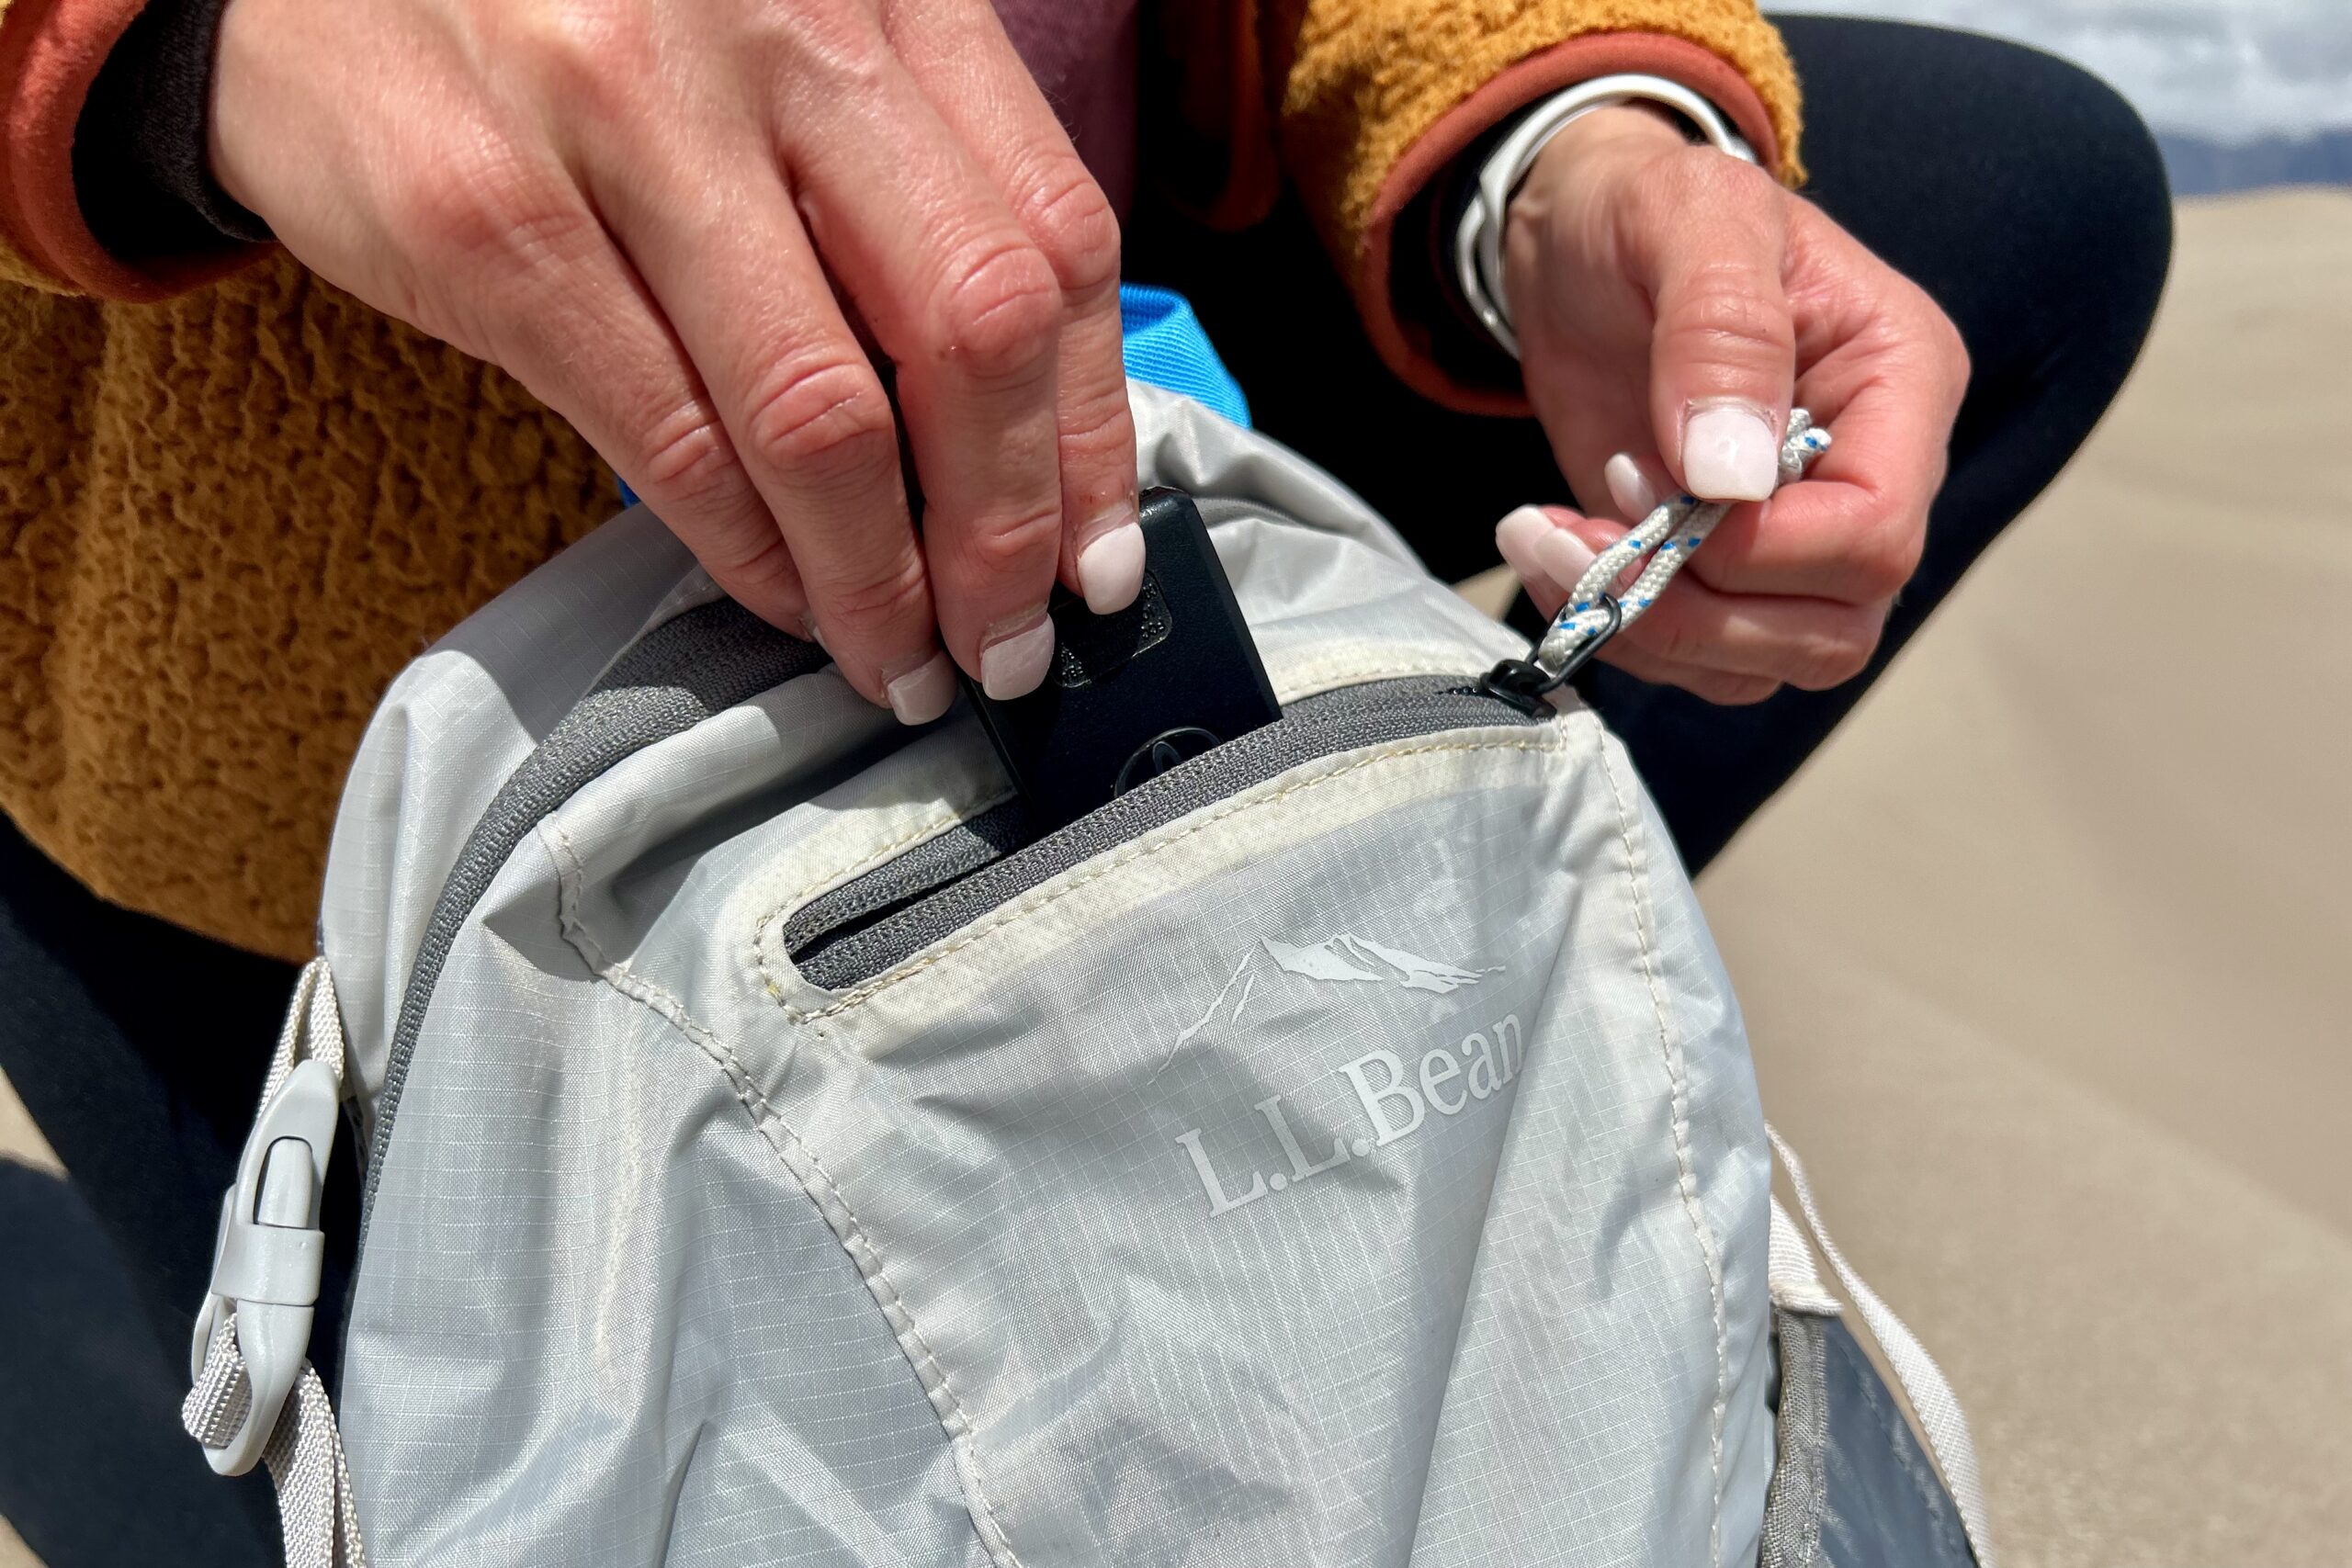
{"x": 2019, "y": 192}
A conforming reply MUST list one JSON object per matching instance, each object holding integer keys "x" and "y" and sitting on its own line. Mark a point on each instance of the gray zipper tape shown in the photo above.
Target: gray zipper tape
{"x": 680, "y": 674}
{"x": 1324, "y": 725}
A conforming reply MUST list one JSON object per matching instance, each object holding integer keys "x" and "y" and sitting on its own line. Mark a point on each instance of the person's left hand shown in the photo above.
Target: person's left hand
{"x": 1672, "y": 303}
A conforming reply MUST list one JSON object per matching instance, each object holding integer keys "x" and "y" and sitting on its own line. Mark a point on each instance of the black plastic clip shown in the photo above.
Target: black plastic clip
{"x": 1524, "y": 684}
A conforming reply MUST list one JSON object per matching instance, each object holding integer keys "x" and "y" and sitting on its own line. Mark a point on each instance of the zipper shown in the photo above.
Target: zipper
{"x": 859, "y": 929}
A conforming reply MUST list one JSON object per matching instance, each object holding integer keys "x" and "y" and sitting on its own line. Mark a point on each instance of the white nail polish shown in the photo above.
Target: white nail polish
{"x": 1563, "y": 558}
{"x": 1516, "y": 535}
{"x": 1730, "y": 453}
{"x": 1629, "y": 487}
{"x": 923, "y": 693}
{"x": 1110, "y": 569}
{"x": 1013, "y": 666}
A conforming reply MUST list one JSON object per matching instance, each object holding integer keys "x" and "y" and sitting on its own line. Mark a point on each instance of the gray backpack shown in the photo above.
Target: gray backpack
{"x": 1340, "y": 1149}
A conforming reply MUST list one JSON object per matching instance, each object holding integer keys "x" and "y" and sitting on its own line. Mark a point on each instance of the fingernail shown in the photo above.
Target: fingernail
{"x": 1563, "y": 558}
{"x": 1629, "y": 487}
{"x": 1729, "y": 453}
{"x": 1015, "y": 664}
{"x": 923, "y": 693}
{"x": 1110, "y": 570}
{"x": 1516, "y": 535}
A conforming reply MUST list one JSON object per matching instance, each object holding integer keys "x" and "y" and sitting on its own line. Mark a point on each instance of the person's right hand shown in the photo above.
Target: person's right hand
{"x": 640, "y": 209}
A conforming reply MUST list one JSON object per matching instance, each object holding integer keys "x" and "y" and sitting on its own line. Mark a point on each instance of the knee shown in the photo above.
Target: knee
{"x": 2032, "y": 167}
{"x": 2103, "y": 183}
{"x": 2084, "y": 181}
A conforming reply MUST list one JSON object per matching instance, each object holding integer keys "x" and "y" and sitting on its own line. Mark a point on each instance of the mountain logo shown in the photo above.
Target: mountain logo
{"x": 1344, "y": 960}
{"x": 1345, "y": 957}
{"x": 1446, "y": 1080}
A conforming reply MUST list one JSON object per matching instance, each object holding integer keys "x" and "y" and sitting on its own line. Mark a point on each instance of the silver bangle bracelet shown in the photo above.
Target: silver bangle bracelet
{"x": 1479, "y": 238}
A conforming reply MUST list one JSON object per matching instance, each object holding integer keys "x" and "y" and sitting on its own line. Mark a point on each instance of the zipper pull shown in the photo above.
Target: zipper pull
{"x": 1593, "y": 615}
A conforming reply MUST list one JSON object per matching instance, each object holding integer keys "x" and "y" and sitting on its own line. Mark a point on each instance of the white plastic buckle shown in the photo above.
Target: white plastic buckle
{"x": 267, "y": 1258}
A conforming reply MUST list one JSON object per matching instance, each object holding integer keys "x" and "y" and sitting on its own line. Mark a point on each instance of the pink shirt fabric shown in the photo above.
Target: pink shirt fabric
{"x": 1083, "y": 54}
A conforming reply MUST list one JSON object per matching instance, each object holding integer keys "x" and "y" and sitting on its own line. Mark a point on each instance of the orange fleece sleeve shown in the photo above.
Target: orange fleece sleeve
{"x": 1377, "y": 96}
{"x": 51, "y": 51}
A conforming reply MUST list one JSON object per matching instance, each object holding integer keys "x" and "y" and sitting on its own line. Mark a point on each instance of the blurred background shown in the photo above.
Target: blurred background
{"x": 2048, "y": 955}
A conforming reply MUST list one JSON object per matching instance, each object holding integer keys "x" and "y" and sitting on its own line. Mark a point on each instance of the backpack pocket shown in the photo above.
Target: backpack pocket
{"x": 882, "y": 916}
{"x": 1305, "y": 1164}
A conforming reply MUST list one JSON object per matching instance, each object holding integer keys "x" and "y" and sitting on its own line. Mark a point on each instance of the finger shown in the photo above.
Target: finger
{"x": 1636, "y": 485}
{"x": 1547, "y": 548}
{"x": 957, "y": 52}
{"x": 1809, "y": 643}
{"x": 1711, "y": 685}
{"x": 1885, "y": 378}
{"x": 1591, "y": 405}
{"x": 804, "y": 408}
{"x": 567, "y": 313}
{"x": 968, "y": 310}
{"x": 1709, "y": 241}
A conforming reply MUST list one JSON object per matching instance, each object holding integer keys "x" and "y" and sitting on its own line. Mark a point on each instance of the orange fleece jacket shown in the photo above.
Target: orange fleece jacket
{"x": 235, "y": 501}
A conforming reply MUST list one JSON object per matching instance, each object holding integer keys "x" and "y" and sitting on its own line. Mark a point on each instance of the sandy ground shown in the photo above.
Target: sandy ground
{"x": 2046, "y": 956}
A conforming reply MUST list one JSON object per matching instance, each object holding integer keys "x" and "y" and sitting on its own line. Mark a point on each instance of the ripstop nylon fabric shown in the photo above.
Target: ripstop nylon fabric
{"x": 1360, "y": 1165}
{"x": 936, "y": 1259}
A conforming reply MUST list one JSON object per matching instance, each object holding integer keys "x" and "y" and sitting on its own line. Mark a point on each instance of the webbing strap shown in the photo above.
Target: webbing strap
{"x": 305, "y": 1456}
{"x": 303, "y": 1452}
{"x": 1923, "y": 1383}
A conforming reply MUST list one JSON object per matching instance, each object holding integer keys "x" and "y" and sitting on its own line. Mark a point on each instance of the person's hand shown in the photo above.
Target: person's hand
{"x": 642, "y": 209}
{"x": 1672, "y": 303}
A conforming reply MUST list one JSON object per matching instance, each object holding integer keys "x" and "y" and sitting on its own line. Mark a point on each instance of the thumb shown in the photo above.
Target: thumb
{"x": 1722, "y": 359}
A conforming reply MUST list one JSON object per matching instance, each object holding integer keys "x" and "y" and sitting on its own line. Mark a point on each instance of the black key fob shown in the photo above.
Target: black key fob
{"x": 1131, "y": 695}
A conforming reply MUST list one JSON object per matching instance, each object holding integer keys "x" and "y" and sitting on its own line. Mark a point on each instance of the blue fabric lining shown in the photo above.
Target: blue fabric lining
{"x": 1166, "y": 346}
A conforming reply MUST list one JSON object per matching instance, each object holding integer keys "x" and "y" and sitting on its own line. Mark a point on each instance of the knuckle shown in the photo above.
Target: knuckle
{"x": 1724, "y": 311}
{"x": 1884, "y": 556}
{"x": 1951, "y": 353}
{"x": 1736, "y": 691}
{"x": 819, "y": 54}
{"x": 1002, "y": 545}
{"x": 492, "y": 208}
{"x": 1072, "y": 223}
{"x": 1831, "y": 658}
{"x": 1097, "y": 428}
{"x": 760, "y": 566}
{"x": 894, "y": 593}
{"x": 825, "y": 415}
{"x": 998, "y": 314}
{"x": 1679, "y": 641}
{"x": 685, "y": 454}
{"x": 586, "y": 57}
{"x": 1725, "y": 189}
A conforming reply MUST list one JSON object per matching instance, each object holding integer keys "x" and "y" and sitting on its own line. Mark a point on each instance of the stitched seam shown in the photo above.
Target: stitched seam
{"x": 1325, "y": 678}
{"x": 939, "y": 822}
{"x": 777, "y": 1134}
{"x": 1040, "y": 899}
{"x": 1671, "y": 1050}
{"x": 1312, "y": 673}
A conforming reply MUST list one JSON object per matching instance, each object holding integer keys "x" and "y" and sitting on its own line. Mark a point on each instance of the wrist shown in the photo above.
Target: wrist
{"x": 1618, "y": 128}
{"x": 1588, "y": 152}
{"x": 1636, "y": 118}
